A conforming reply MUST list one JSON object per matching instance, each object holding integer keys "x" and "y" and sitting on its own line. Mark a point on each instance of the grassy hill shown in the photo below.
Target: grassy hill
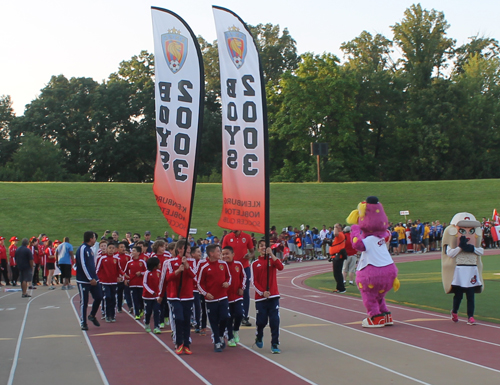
{"x": 69, "y": 209}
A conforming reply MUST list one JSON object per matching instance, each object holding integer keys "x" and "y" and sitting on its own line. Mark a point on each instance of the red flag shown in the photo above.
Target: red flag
{"x": 495, "y": 233}
{"x": 179, "y": 95}
{"x": 245, "y": 171}
{"x": 495, "y": 216}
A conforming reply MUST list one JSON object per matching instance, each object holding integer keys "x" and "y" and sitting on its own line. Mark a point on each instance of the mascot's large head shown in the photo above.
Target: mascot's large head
{"x": 371, "y": 217}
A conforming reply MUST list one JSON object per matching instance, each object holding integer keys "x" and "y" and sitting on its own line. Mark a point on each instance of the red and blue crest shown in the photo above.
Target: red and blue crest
{"x": 236, "y": 43}
{"x": 175, "y": 49}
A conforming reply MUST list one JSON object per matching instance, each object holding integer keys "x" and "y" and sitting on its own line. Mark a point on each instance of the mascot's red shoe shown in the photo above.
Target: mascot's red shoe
{"x": 388, "y": 319}
{"x": 377, "y": 321}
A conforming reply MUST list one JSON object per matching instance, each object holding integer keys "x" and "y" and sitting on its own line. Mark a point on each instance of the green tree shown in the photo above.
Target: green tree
{"x": 7, "y": 147}
{"x": 278, "y": 52}
{"x": 377, "y": 102}
{"x": 62, "y": 114}
{"x": 475, "y": 133}
{"x": 486, "y": 48}
{"x": 421, "y": 35}
{"x": 315, "y": 104}
{"x": 36, "y": 159}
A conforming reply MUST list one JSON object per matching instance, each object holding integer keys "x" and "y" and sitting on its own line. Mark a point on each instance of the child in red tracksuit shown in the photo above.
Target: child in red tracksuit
{"x": 121, "y": 290}
{"x": 135, "y": 270}
{"x": 235, "y": 295}
{"x": 179, "y": 276}
{"x": 151, "y": 294}
{"x": 12, "y": 260}
{"x": 213, "y": 282}
{"x": 267, "y": 295}
{"x": 109, "y": 273}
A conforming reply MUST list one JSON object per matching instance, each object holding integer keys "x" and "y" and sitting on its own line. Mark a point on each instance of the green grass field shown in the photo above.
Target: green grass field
{"x": 69, "y": 209}
{"x": 421, "y": 287}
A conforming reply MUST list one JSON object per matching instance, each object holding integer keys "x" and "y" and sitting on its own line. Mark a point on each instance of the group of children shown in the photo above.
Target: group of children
{"x": 175, "y": 285}
{"x": 44, "y": 260}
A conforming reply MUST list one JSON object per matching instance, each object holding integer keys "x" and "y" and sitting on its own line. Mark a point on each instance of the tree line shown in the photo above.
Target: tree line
{"x": 417, "y": 107}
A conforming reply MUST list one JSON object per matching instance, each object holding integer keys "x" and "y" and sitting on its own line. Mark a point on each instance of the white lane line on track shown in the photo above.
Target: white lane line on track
{"x": 6, "y": 295}
{"x": 345, "y": 353}
{"x": 277, "y": 363}
{"x": 386, "y": 338}
{"x": 91, "y": 348}
{"x": 359, "y": 300}
{"x": 19, "y": 339}
{"x": 190, "y": 368}
{"x": 400, "y": 322}
{"x": 358, "y": 358}
{"x": 246, "y": 347}
{"x": 390, "y": 339}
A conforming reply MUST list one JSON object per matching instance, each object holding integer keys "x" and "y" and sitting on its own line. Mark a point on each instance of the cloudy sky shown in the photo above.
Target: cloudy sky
{"x": 89, "y": 39}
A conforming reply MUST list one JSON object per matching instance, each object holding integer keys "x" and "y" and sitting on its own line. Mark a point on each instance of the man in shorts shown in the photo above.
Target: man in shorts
{"x": 24, "y": 260}
{"x": 64, "y": 254}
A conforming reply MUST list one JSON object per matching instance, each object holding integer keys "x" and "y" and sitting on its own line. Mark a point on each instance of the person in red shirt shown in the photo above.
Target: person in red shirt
{"x": 179, "y": 276}
{"x": 3, "y": 262}
{"x": 13, "y": 265}
{"x": 122, "y": 290}
{"x": 50, "y": 263}
{"x": 267, "y": 295}
{"x": 109, "y": 273}
{"x": 213, "y": 282}
{"x": 135, "y": 270}
{"x": 235, "y": 295}
{"x": 151, "y": 294}
{"x": 243, "y": 252}
{"x": 43, "y": 258}
{"x": 33, "y": 246}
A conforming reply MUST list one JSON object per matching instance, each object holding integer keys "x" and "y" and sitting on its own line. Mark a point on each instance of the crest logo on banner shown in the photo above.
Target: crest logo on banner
{"x": 236, "y": 43}
{"x": 175, "y": 49}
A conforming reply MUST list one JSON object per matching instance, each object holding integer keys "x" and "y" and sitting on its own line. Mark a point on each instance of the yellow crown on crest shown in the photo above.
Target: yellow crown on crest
{"x": 175, "y": 31}
{"x": 233, "y": 29}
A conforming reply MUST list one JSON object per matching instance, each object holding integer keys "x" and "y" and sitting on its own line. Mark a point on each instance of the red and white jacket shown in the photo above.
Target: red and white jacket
{"x": 145, "y": 256}
{"x": 259, "y": 277}
{"x": 151, "y": 285}
{"x": 12, "y": 254}
{"x": 173, "y": 280}
{"x": 124, "y": 258}
{"x": 238, "y": 281}
{"x": 49, "y": 255}
{"x": 41, "y": 254}
{"x": 212, "y": 276}
{"x": 162, "y": 257}
{"x": 109, "y": 270}
{"x": 133, "y": 267}
{"x": 3, "y": 252}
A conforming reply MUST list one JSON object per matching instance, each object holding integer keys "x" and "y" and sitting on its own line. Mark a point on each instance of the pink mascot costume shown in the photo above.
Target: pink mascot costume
{"x": 376, "y": 272}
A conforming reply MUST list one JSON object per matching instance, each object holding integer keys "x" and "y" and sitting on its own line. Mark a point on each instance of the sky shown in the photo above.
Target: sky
{"x": 40, "y": 39}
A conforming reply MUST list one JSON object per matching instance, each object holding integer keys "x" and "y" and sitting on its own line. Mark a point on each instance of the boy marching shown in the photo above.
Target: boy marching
{"x": 267, "y": 295}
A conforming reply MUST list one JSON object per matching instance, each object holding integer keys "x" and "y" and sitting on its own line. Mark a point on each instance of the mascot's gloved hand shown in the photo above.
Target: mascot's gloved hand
{"x": 464, "y": 245}
{"x": 356, "y": 238}
{"x": 396, "y": 284}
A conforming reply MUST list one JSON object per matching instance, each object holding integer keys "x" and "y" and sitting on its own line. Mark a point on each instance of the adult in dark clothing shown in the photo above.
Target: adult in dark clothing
{"x": 339, "y": 255}
{"x": 24, "y": 261}
{"x": 87, "y": 280}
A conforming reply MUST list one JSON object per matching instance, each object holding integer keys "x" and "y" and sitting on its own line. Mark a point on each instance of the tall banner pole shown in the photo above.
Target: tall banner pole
{"x": 179, "y": 97}
{"x": 245, "y": 152}
{"x": 245, "y": 145}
